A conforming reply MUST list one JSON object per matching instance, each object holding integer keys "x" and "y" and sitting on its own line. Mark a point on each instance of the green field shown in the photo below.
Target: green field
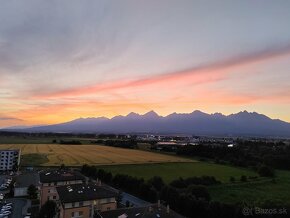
{"x": 33, "y": 159}
{"x": 253, "y": 192}
{"x": 274, "y": 192}
{"x": 171, "y": 171}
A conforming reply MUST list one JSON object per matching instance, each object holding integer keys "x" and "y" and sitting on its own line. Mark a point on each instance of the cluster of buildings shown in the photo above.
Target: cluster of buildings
{"x": 75, "y": 195}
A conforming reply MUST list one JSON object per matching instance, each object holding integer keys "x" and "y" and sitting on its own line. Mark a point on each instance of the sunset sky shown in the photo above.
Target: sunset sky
{"x": 61, "y": 60}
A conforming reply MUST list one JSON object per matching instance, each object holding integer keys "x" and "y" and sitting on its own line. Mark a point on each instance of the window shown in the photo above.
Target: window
{"x": 81, "y": 204}
{"x": 108, "y": 208}
{"x": 81, "y": 213}
{"x": 54, "y": 197}
{"x": 72, "y": 214}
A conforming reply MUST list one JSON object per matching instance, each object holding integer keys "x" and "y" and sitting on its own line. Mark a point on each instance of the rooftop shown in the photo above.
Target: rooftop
{"x": 151, "y": 211}
{"x": 84, "y": 192}
{"x": 59, "y": 176}
{"x": 15, "y": 150}
{"x": 27, "y": 179}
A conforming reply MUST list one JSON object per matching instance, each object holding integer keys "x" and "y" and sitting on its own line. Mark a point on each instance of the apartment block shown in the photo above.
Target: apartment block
{"x": 50, "y": 180}
{"x": 85, "y": 200}
{"x": 9, "y": 159}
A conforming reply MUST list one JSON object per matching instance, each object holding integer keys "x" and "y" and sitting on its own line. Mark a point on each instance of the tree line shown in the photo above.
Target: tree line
{"x": 118, "y": 143}
{"x": 244, "y": 154}
{"x": 189, "y": 197}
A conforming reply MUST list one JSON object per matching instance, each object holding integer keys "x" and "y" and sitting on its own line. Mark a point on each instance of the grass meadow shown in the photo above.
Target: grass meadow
{"x": 252, "y": 192}
{"x": 171, "y": 171}
{"x": 268, "y": 192}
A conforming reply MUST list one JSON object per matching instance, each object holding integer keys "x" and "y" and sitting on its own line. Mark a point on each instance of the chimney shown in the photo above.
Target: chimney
{"x": 167, "y": 209}
{"x": 150, "y": 209}
{"x": 158, "y": 203}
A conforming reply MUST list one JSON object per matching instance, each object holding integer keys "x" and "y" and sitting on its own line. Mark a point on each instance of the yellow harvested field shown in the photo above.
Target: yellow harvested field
{"x": 76, "y": 155}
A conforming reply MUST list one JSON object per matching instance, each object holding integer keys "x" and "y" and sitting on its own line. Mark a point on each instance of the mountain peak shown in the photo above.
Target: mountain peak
{"x": 133, "y": 114}
{"x": 218, "y": 115}
{"x": 198, "y": 113}
{"x": 151, "y": 114}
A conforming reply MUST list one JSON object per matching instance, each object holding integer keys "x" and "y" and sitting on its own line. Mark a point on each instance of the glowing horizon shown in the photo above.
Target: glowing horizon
{"x": 107, "y": 58}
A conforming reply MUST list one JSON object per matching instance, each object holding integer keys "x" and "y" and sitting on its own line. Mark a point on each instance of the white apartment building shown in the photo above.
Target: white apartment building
{"x": 8, "y": 159}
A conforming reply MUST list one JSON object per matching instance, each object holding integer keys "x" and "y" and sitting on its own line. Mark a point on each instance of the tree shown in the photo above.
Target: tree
{"x": 266, "y": 171}
{"x": 147, "y": 192}
{"x": 62, "y": 167}
{"x": 32, "y": 191}
{"x": 15, "y": 167}
{"x": 156, "y": 182}
{"x": 199, "y": 191}
{"x": 48, "y": 210}
{"x": 243, "y": 179}
{"x": 232, "y": 179}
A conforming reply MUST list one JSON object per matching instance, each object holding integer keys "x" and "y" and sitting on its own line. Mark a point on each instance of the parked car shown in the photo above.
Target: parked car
{"x": 5, "y": 213}
{"x": 6, "y": 208}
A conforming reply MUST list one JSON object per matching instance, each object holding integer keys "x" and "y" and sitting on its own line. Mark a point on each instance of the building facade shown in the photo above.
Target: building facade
{"x": 9, "y": 160}
{"x": 50, "y": 180}
{"x": 84, "y": 200}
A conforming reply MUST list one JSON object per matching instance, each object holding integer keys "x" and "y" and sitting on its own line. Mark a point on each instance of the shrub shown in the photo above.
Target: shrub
{"x": 243, "y": 178}
{"x": 199, "y": 191}
{"x": 266, "y": 171}
{"x": 157, "y": 182}
{"x": 232, "y": 179}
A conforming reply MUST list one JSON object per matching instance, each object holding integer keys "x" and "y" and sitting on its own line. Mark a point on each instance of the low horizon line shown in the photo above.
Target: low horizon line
{"x": 150, "y": 111}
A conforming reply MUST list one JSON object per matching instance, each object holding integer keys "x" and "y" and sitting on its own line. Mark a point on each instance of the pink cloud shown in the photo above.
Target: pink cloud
{"x": 198, "y": 75}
